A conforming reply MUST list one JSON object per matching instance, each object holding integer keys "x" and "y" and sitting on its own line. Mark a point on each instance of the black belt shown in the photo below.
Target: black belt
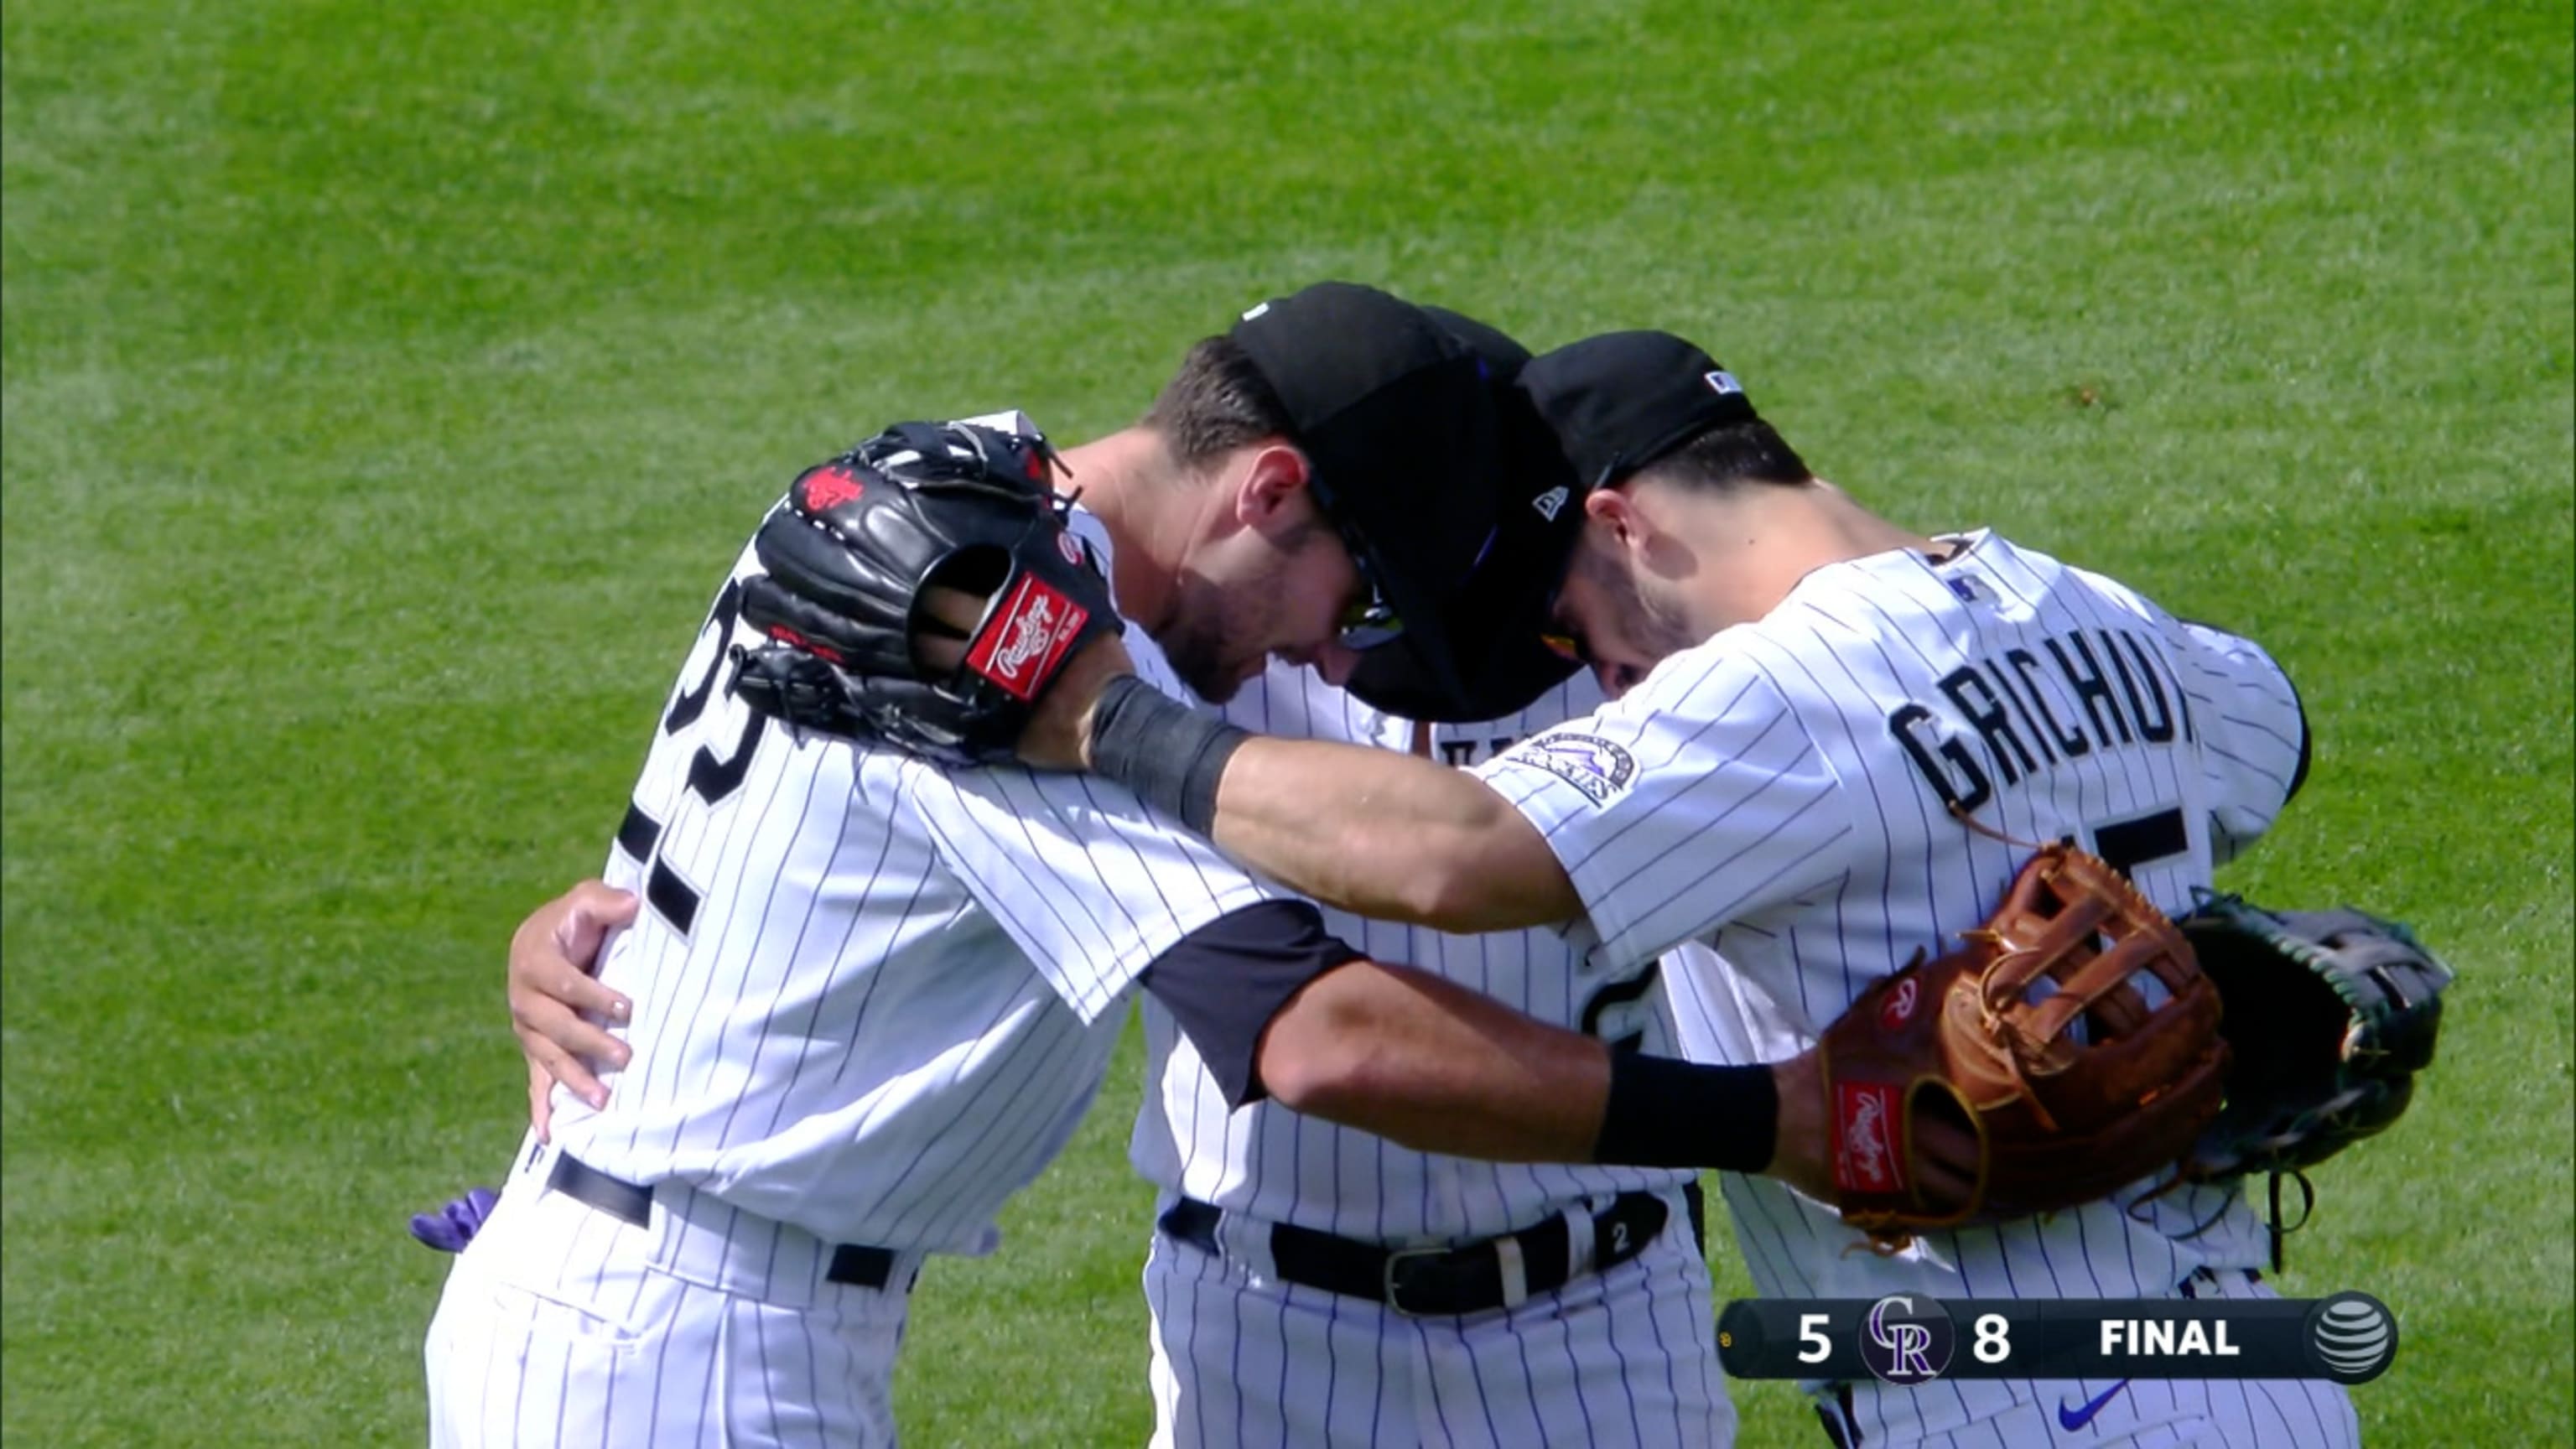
{"x": 1842, "y": 1429}
{"x": 852, "y": 1265}
{"x": 1447, "y": 1281}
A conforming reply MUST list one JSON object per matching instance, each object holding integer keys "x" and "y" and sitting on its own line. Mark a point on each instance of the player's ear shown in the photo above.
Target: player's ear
{"x": 1267, "y": 493}
{"x": 1615, "y": 520}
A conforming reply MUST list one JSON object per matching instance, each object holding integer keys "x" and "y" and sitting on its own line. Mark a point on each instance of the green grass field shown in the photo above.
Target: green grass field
{"x": 387, "y": 388}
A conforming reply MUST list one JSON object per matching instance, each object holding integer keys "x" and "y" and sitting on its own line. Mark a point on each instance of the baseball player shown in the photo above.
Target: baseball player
{"x": 875, "y": 996}
{"x": 1807, "y": 701}
{"x": 1260, "y": 1335}
{"x": 1259, "y": 1340}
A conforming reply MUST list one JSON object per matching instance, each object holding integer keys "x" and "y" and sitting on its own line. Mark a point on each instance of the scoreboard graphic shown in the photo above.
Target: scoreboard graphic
{"x": 1910, "y": 1338}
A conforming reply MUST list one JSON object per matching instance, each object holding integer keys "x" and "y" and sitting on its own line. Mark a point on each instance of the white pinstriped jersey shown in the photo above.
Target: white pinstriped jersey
{"x": 872, "y": 997}
{"x": 1777, "y": 796}
{"x": 1280, "y": 1166}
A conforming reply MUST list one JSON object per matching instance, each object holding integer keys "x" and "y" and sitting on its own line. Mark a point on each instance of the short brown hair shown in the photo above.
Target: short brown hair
{"x": 1217, "y": 402}
{"x": 1752, "y": 452}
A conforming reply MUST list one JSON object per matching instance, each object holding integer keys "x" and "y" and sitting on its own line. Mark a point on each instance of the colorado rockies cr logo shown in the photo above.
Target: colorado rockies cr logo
{"x": 1907, "y": 1339}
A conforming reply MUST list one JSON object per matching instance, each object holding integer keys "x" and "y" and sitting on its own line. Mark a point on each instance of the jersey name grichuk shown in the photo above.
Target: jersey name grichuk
{"x": 2032, "y": 709}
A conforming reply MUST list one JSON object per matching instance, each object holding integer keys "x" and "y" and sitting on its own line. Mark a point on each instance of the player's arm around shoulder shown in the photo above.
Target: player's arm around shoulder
{"x": 1280, "y": 1010}
{"x": 1389, "y": 835}
{"x": 1369, "y": 830}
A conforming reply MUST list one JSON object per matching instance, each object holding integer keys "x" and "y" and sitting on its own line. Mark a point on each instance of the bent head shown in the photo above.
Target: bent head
{"x": 1261, "y": 570}
{"x": 1663, "y": 440}
{"x": 1619, "y": 612}
{"x": 1327, "y": 441}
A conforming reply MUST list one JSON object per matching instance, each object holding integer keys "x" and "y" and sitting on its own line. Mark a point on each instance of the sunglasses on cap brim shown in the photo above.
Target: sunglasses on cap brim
{"x": 1371, "y": 620}
{"x": 1369, "y": 623}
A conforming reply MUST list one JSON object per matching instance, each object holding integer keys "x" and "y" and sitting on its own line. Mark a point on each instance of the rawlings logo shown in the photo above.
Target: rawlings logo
{"x": 1026, "y": 638}
{"x": 1027, "y": 634}
{"x": 1865, "y": 1152}
{"x": 1070, "y": 547}
{"x": 1899, "y": 1006}
{"x": 829, "y": 488}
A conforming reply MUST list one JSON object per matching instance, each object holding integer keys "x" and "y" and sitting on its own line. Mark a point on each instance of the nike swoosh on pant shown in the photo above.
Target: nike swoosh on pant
{"x": 2077, "y": 1418}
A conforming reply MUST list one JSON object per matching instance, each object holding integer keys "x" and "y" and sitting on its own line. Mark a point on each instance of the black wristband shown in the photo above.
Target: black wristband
{"x": 1669, "y": 1113}
{"x": 1168, "y": 753}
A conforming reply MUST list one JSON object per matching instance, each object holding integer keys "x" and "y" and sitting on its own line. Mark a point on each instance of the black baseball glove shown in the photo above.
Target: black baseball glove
{"x": 851, "y": 549}
{"x": 2328, "y": 1015}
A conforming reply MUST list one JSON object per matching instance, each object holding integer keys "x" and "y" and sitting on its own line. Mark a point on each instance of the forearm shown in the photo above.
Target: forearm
{"x": 1427, "y": 1063}
{"x": 1388, "y": 835}
{"x": 1372, "y": 831}
{"x": 1423, "y": 1062}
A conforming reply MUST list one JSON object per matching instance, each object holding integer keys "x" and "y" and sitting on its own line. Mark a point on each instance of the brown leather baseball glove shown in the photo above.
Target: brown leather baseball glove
{"x": 2074, "y": 1033}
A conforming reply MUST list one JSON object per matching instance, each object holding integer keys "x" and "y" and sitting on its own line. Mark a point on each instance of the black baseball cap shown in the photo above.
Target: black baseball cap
{"x": 1621, "y": 400}
{"x": 1396, "y": 413}
{"x": 1495, "y": 619}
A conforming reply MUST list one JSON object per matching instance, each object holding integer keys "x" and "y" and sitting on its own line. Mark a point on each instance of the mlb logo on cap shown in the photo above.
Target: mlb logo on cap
{"x": 1621, "y": 400}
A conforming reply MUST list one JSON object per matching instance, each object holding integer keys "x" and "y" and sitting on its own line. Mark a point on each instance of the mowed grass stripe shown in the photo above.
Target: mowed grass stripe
{"x": 385, "y": 393}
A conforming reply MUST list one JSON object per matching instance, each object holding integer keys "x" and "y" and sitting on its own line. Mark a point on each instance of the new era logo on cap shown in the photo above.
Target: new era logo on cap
{"x": 1549, "y": 502}
{"x": 1722, "y": 382}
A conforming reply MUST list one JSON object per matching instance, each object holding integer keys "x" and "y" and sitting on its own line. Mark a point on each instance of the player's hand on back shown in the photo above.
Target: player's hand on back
{"x": 553, "y": 995}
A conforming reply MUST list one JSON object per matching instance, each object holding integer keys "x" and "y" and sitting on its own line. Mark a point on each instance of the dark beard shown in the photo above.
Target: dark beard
{"x": 1660, "y": 634}
{"x": 1194, "y": 643}
{"x": 1650, "y": 630}
{"x": 1195, "y": 661}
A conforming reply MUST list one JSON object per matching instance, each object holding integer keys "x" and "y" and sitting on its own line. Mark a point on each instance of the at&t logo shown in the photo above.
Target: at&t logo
{"x": 2352, "y": 1337}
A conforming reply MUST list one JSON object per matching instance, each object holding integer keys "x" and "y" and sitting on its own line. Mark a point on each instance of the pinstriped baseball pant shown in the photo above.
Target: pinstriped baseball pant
{"x": 1623, "y": 1358}
{"x": 561, "y": 1326}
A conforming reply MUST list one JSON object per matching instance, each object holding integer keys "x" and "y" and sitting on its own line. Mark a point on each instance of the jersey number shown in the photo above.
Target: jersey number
{"x": 1618, "y": 994}
{"x": 2125, "y": 845}
{"x": 710, "y": 779}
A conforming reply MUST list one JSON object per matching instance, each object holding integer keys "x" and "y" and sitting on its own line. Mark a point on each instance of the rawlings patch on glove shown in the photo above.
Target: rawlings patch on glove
{"x": 1988, "y": 1036}
{"x": 851, "y": 549}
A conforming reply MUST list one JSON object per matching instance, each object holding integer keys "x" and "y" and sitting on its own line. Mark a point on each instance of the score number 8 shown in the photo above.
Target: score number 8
{"x": 1993, "y": 1342}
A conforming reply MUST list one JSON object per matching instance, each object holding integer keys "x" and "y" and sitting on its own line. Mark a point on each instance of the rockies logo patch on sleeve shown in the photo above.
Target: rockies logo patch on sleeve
{"x": 1589, "y": 763}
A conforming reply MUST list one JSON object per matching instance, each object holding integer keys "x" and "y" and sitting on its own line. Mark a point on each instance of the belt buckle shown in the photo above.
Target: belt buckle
{"x": 1387, "y": 1276}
